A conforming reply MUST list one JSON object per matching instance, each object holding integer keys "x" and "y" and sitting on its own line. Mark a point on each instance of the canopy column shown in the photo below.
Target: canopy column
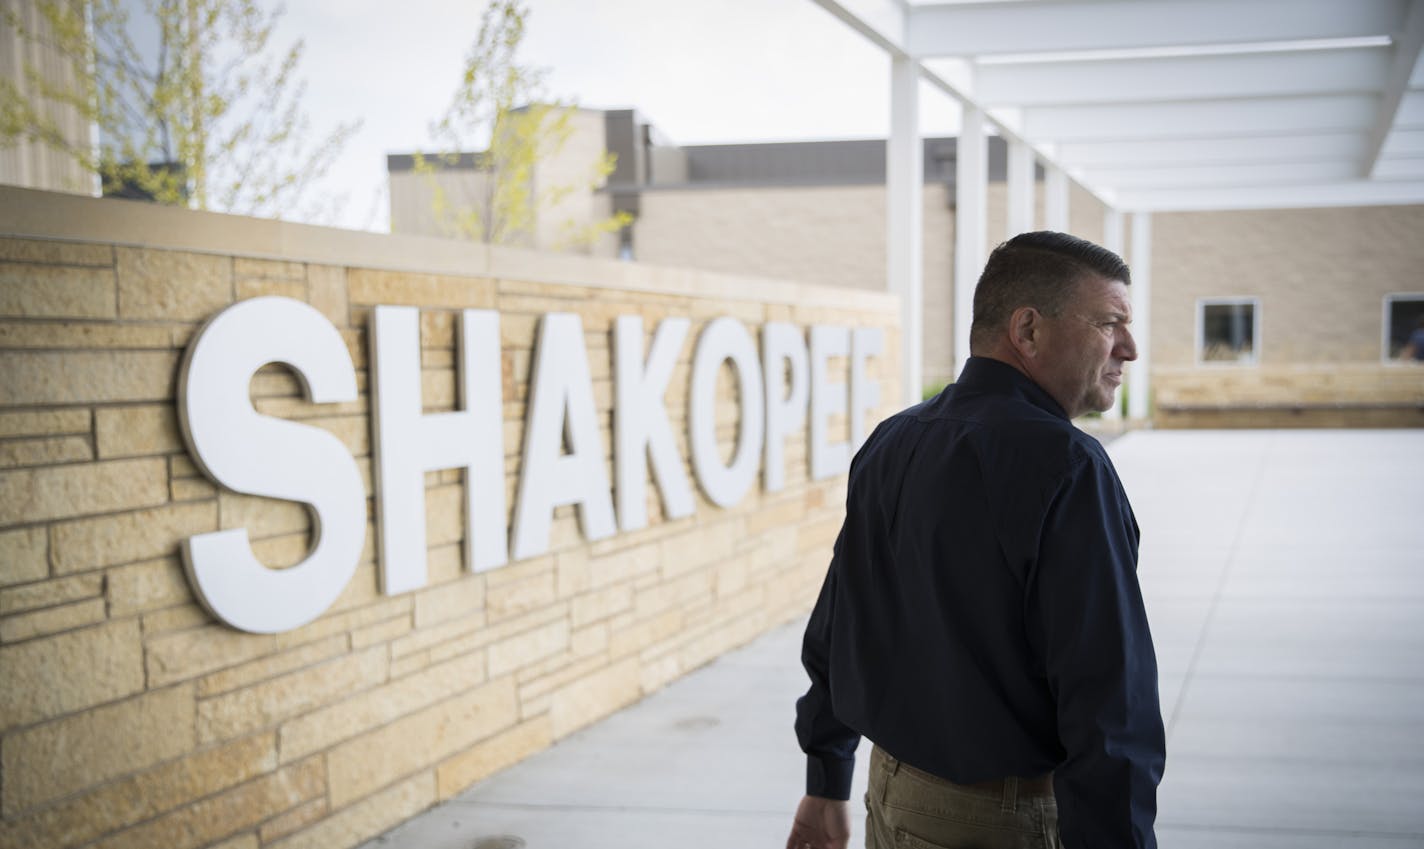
{"x": 904, "y": 170}
{"x": 1139, "y": 384}
{"x": 1055, "y": 199}
{"x": 971, "y": 196}
{"x": 1020, "y": 188}
{"x": 1113, "y": 241}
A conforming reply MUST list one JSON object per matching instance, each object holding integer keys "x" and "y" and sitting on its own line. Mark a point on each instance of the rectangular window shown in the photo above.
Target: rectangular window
{"x": 1228, "y": 330}
{"x": 1403, "y": 321}
{"x": 625, "y": 243}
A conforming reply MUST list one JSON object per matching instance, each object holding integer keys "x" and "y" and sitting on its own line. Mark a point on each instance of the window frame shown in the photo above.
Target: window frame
{"x": 1254, "y": 301}
{"x": 1385, "y": 302}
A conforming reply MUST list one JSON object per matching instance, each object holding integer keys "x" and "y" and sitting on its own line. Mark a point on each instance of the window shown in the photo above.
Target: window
{"x": 1403, "y": 315}
{"x": 625, "y": 243}
{"x": 1228, "y": 330}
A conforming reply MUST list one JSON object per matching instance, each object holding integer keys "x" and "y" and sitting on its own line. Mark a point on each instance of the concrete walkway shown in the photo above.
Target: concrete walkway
{"x": 1284, "y": 575}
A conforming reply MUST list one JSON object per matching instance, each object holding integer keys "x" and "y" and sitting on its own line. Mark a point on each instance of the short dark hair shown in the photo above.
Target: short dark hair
{"x": 1036, "y": 270}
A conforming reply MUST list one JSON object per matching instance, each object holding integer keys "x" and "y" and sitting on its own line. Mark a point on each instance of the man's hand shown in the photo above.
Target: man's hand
{"x": 820, "y": 824}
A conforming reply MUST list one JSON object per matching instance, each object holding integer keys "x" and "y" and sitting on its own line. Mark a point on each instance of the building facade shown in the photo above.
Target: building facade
{"x": 1266, "y": 317}
{"x": 28, "y": 162}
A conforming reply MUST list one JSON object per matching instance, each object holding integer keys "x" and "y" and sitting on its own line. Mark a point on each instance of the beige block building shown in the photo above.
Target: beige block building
{"x": 1263, "y": 317}
{"x": 431, "y": 199}
{"x": 27, "y": 162}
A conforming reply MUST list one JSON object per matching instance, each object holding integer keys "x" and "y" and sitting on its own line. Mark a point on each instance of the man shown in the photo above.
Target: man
{"x": 981, "y": 620}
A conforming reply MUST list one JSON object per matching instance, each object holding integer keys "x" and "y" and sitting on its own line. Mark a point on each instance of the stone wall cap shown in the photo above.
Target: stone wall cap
{"x": 32, "y": 214}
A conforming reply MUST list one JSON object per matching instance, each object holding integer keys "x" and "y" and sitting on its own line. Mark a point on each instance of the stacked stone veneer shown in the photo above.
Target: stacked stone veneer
{"x": 131, "y": 718}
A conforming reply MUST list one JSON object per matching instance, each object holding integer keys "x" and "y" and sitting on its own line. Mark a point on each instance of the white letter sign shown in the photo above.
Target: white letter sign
{"x": 561, "y": 407}
{"x": 725, "y": 339}
{"x": 788, "y": 392}
{"x": 827, "y": 458}
{"x": 408, "y": 444}
{"x": 866, "y": 342}
{"x": 641, "y": 430}
{"x": 783, "y": 351}
{"x": 260, "y": 455}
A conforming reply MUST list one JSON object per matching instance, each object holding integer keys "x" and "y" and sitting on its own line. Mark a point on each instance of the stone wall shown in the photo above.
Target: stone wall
{"x": 130, "y": 717}
{"x": 1341, "y": 395}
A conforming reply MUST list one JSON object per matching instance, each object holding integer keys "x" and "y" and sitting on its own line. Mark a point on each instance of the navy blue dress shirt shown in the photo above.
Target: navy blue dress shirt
{"x": 981, "y": 617}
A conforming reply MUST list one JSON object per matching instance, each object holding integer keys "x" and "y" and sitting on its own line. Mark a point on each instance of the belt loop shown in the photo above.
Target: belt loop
{"x": 889, "y": 763}
{"x": 888, "y": 766}
{"x": 1011, "y": 793}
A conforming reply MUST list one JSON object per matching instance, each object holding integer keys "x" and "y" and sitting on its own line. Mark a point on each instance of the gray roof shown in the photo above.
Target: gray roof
{"x": 848, "y": 162}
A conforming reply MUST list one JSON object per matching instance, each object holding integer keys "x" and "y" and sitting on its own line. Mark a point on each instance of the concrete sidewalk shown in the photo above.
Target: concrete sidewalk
{"x": 1284, "y": 576}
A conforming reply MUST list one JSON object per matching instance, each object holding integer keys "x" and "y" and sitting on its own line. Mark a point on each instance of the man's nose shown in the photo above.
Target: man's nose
{"x": 1126, "y": 347}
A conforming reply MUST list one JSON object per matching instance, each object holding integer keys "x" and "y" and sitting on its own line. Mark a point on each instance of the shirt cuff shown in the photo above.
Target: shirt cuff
{"x": 829, "y": 778}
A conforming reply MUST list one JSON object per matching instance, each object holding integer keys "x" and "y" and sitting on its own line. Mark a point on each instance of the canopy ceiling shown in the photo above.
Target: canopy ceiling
{"x": 1186, "y": 104}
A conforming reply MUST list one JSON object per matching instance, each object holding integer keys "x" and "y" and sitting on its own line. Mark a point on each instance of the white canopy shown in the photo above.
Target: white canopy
{"x": 1185, "y": 104}
{"x": 1150, "y": 105}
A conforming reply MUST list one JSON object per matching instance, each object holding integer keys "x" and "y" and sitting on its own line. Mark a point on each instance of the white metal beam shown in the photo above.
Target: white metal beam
{"x": 1212, "y": 77}
{"x": 881, "y": 21}
{"x": 1411, "y": 111}
{"x": 1354, "y": 193}
{"x": 1240, "y": 176}
{"x": 1238, "y": 150}
{"x": 1043, "y": 26}
{"x": 1402, "y": 68}
{"x": 1202, "y": 119}
{"x": 1399, "y": 168}
{"x": 1404, "y": 143}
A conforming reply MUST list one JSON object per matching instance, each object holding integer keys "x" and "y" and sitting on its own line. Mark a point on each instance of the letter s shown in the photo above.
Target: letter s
{"x": 261, "y": 455}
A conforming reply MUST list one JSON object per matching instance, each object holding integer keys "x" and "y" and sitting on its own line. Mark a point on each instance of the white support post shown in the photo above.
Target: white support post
{"x": 1020, "y": 188}
{"x": 1139, "y": 381}
{"x": 1055, "y": 199}
{"x": 1112, "y": 240}
{"x": 971, "y": 196}
{"x": 904, "y": 188}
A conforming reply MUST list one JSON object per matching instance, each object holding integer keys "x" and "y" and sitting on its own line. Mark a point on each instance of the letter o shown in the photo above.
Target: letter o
{"x": 725, "y": 339}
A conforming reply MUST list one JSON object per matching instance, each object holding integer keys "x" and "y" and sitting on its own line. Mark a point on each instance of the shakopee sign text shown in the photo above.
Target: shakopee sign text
{"x": 562, "y": 461}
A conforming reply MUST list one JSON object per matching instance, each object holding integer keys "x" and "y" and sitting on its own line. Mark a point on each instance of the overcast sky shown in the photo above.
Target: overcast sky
{"x": 702, "y": 71}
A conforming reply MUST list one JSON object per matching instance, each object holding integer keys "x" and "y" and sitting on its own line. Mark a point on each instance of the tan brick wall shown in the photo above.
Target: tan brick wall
{"x": 831, "y": 236}
{"x": 130, "y": 718}
{"x": 1320, "y": 277}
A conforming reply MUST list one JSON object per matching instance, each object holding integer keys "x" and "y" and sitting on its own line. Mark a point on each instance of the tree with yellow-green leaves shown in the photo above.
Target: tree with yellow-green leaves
{"x": 192, "y": 105}
{"x": 500, "y": 103}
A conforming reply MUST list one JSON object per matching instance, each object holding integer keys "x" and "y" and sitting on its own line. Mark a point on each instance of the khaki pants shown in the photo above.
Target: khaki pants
{"x": 907, "y": 808}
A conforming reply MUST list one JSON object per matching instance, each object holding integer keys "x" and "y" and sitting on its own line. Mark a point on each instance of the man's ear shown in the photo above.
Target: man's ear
{"x": 1025, "y": 331}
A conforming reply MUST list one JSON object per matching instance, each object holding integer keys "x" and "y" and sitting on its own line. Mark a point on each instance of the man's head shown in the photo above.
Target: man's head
{"x": 1056, "y": 307}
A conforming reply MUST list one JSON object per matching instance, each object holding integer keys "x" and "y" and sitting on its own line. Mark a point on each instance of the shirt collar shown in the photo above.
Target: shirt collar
{"x": 996, "y": 377}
